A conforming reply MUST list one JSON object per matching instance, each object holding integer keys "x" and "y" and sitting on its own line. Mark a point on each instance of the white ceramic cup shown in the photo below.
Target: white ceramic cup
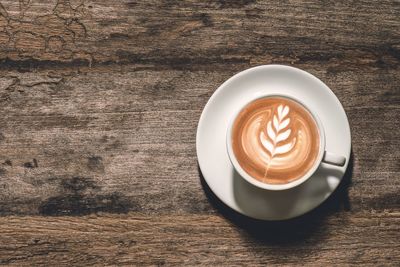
{"x": 323, "y": 155}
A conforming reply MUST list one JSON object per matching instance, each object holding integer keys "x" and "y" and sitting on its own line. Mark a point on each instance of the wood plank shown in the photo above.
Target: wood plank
{"x": 70, "y": 145}
{"x": 193, "y": 35}
{"x": 137, "y": 239}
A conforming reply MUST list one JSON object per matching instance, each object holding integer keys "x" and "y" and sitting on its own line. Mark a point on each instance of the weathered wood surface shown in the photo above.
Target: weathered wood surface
{"x": 189, "y": 239}
{"x": 99, "y": 103}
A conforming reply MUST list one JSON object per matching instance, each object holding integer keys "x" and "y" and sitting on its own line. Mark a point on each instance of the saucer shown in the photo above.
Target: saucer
{"x": 212, "y": 153}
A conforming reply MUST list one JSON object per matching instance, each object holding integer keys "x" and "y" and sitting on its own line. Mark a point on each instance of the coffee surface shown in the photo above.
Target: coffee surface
{"x": 275, "y": 140}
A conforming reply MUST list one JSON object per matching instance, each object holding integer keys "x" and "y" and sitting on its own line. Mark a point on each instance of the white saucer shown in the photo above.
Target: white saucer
{"x": 212, "y": 154}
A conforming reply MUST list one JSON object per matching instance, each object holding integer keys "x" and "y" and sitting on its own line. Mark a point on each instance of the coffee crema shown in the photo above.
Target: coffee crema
{"x": 275, "y": 140}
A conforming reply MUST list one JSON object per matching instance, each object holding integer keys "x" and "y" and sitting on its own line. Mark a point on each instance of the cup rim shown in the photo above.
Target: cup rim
{"x": 276, "y": 187}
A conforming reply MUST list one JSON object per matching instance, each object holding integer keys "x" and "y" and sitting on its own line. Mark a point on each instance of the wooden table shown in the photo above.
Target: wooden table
{"x": 99, "y": 103}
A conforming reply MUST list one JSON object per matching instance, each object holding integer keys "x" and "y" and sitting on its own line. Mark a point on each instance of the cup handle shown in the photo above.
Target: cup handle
{"x": 333, "y": 159}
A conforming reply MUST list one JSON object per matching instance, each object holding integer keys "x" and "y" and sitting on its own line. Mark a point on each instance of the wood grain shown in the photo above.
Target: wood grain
{"x": 196, "y": 239}
{"x": 99, "y": 104}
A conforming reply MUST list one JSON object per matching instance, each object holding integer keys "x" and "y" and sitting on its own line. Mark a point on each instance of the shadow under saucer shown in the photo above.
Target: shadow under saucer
{"x": 283, "y": 231}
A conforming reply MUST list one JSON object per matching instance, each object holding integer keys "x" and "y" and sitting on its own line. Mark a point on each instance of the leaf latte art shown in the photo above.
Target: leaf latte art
{"x": 275, "y": 140}
{"x": 277, "y": 133}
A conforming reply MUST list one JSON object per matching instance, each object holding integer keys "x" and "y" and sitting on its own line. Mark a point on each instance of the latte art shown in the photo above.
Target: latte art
{"x": 275, "y": 140}
{"x": 277, "y": 133}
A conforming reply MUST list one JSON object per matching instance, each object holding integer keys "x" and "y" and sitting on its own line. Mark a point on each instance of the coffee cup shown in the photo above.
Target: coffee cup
{"x": 281, "y": 137}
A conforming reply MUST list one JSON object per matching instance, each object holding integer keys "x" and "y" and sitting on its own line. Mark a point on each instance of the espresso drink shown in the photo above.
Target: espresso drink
{"x": 275, "y": 140}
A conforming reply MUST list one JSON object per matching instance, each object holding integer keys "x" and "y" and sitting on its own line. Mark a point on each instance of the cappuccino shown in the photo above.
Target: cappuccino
{"x": 275, "y": 140}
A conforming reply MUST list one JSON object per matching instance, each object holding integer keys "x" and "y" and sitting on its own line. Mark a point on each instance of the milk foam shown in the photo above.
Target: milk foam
{"x": 275, "y": 140}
